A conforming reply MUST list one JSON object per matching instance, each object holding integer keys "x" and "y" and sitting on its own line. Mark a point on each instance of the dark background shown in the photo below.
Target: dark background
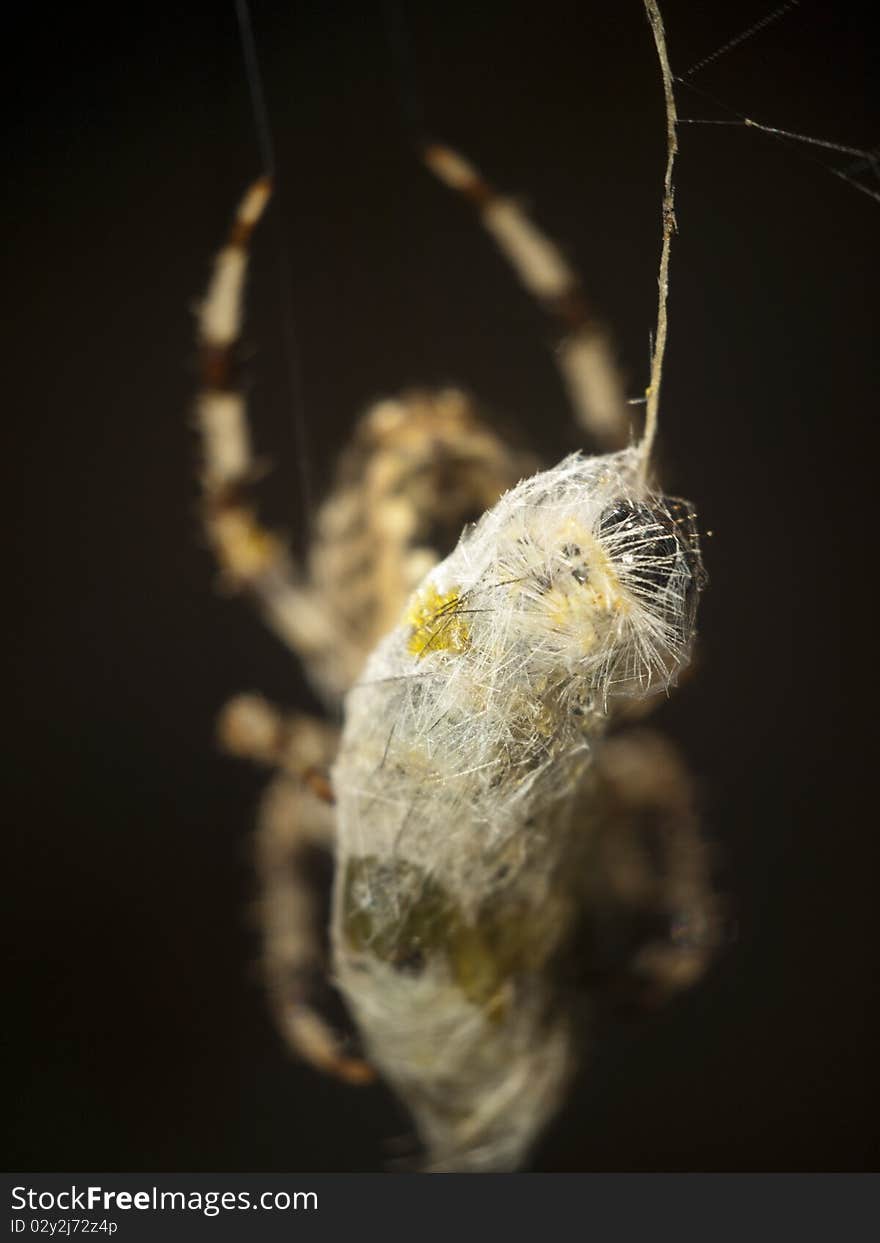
{"x": 139, "y": 1036}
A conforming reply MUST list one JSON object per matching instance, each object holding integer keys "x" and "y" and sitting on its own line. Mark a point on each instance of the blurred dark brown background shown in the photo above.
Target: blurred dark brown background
{"x": 139, "y": 1037}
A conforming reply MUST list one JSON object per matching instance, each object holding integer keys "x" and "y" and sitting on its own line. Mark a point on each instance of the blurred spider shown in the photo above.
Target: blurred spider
{"x": 503, "y": 837}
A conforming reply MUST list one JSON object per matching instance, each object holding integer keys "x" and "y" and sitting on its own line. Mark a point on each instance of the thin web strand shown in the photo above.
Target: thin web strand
{"x": 668, "y": 212}
{"x": 402, "y": 52}
{"x": 289, "y": 328}
{"x": 736, "y": 40}
{"x": 867, "y": 159}
{"x": 782, "y": 133}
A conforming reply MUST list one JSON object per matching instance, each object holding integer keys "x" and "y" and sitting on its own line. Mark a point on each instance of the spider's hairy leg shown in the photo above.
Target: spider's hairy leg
{"x": 652, "y": 915}
{"x": 250, "y": 557}
{"x": 584, "y": 353}
{"x": 252, "y": 728}
{"x": 293, "y": 826}
{"x": 295, "y": 834}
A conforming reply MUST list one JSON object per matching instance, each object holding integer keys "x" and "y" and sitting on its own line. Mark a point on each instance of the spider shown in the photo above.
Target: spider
{"x": 486, "y": 637}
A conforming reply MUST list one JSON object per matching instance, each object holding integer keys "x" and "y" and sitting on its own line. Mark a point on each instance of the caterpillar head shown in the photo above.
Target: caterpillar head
{"x": 580, "y": 576}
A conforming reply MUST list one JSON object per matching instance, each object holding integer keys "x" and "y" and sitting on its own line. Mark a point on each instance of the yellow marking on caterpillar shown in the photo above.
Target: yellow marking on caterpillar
{"x": 437, "y": 626}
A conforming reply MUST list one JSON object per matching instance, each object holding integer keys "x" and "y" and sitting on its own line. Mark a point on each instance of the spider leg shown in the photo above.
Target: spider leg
{"x": 254, "y": 729}
{"x": 251, "y": 558}
{"x": 295, "y": 826}
{"x": 653, "y": 917}
{"x": 584, "y": 352}
{"x": 294, "y": 845}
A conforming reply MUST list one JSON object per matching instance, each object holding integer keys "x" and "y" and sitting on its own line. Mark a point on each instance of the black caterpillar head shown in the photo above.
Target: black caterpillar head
{"x": 655, "y": 548}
